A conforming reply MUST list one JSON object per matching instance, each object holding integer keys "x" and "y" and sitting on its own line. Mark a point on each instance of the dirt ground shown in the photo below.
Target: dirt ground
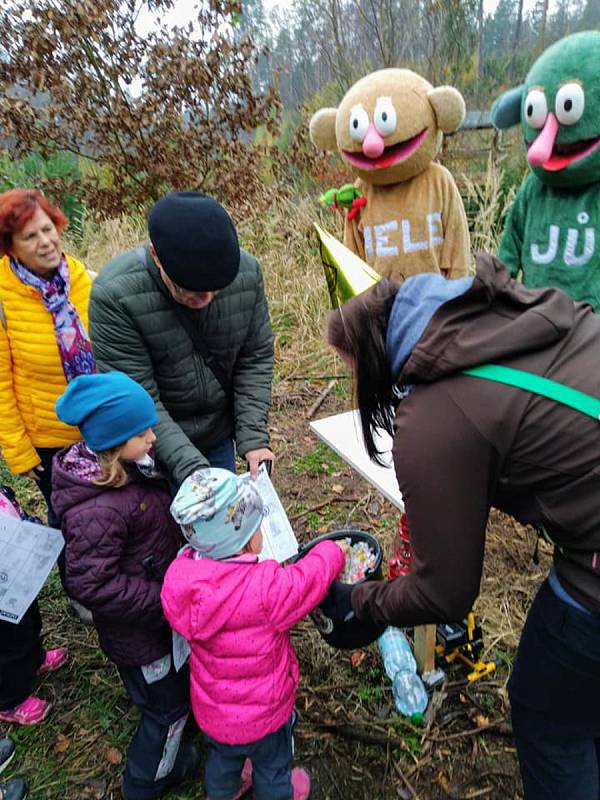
{"x": 349, "y": 736}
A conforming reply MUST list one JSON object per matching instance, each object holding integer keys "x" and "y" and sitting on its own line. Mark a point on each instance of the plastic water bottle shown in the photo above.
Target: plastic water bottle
{"x": 410, "y": 695}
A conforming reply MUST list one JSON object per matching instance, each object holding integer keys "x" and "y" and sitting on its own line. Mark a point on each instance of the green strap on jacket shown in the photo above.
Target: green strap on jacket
{"x": 543, "y": 386}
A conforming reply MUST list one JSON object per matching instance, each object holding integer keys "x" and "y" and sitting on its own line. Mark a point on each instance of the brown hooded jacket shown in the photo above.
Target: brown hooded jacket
{"x": 463, "y": 444}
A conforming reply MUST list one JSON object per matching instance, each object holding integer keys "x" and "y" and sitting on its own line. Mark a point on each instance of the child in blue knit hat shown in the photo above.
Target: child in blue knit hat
{"x": 119, "y": 540}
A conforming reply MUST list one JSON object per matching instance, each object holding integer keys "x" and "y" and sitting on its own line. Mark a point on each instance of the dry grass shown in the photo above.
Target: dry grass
{"x": 103, "y": 242}
{"x": 285, "y": 243}
{"x": 509, "y": 583}
{"x": 492, "y": 207}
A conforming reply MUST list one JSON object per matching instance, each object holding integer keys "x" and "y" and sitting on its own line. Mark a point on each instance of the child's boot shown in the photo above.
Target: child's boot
{"x": 246, "y": 780}
{"x": 29, "y": 712}
{"x": 187, "y": 764}
{"x": 300, "y": 783}
{"x": 7, "y": 752}
{"x": 54, "y": 660}
{"x": 13, "y": 790}
{"x": 82, "y": 613}
{"x": 185, "y": 768}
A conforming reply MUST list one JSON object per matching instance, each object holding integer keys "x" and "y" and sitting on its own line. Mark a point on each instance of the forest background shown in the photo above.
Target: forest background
{"x": 106, "y": 105}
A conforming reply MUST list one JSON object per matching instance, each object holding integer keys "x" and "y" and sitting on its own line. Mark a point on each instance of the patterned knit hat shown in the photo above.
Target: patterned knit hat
{"x": 218, "y": 511}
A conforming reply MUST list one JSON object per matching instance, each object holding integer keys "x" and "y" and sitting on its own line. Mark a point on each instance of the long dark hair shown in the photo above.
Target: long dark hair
{"x": 358, "y": 330}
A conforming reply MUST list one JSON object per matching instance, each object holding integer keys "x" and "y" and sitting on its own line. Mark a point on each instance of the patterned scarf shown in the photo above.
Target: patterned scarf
{"x": 73, "y": 342}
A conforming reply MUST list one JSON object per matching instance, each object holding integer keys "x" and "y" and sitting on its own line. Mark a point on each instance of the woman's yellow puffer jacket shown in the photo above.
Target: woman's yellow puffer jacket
{"x": 31, "y": 373}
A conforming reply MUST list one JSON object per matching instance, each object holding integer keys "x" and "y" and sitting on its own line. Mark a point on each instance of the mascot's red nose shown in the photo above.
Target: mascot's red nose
{"x": 540, "y": 149}
{"x": 373, "y": 145}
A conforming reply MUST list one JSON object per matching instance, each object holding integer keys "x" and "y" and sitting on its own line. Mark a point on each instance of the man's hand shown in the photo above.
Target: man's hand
{"x": 254, "y": 458}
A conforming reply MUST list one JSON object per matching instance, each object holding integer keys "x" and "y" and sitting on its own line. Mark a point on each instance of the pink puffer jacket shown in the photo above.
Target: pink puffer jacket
{"x": 237, "y": 615}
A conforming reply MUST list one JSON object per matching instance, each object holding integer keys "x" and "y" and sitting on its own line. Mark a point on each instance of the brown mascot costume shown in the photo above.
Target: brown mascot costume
{"x": 388, "y": 129}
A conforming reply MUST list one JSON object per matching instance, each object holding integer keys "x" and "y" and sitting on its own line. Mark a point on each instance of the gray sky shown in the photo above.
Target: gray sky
{"x": 183, "y": 11}
{"x": 489, "y": 6}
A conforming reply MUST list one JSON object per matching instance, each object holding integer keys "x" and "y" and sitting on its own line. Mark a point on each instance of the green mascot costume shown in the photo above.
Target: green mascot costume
{"x": 552, "y": 232}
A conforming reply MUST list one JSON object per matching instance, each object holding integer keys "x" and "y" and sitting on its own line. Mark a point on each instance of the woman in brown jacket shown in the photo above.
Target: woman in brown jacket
{"x": 462, "y": 444}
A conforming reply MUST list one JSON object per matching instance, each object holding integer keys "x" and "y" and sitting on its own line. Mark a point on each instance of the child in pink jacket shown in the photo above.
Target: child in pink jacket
{"x": 236, "y": 613}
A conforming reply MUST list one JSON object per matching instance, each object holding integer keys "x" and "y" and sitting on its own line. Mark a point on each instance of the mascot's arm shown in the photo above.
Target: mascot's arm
{"x": 353, "y": 238}
{"x": 511, "y": 245}
{"x": 456, "y": 255}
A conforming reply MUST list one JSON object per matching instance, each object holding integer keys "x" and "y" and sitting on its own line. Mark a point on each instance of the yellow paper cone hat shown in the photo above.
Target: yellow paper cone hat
{"x": 346, "y": 274}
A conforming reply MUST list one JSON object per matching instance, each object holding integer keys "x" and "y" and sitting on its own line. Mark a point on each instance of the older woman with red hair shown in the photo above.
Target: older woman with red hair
{"x": 44, "y": 296}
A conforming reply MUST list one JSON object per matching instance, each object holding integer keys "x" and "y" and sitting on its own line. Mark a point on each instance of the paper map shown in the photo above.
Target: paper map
{"x": 27, "y": 554}
{"x": 279, "y": 542}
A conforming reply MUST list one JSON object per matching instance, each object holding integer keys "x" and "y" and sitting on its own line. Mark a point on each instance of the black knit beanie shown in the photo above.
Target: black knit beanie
{"x": 195, "y": 241}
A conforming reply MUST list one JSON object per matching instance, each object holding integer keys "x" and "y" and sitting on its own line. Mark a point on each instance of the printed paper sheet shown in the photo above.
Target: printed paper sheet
{"x": 279, "y": 540}
{"x": 27, "y": 554}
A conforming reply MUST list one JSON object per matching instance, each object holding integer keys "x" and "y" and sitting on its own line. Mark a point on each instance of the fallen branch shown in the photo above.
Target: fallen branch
{"x": 328, "y": 687}
{"x": 322, "y": 504}
{"x": 320, "y": 399}
{"x": 365, "y": 737}
{"x": 499, "y": 727}
{"x": 315, "y": 377}
{"x": 458, "y": 792}
{"x": 405, "y": 781}
{"x": 435, "y": 704}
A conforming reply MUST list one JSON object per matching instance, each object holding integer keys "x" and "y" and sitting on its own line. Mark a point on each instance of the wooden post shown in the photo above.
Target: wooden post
{"x": 425, "y": 648}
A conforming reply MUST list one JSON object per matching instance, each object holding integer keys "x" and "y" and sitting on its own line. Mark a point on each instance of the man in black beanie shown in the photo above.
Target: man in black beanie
{"x": 186, "y": 316}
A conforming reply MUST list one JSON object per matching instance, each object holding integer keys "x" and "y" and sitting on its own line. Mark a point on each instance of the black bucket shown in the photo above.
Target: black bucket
{"x": 353, "y": 633}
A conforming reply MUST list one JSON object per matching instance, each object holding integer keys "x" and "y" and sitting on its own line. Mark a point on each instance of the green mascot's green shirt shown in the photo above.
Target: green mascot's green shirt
{"x": 553, "y": 236}
{"x": 552, "y": 232}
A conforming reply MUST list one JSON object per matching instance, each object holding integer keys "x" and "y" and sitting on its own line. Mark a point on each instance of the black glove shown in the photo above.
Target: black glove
{"x": 337, "y": 605}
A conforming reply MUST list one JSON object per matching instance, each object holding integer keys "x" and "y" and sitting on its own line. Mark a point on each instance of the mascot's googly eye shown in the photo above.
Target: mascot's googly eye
{"x": 359, "y": 123}
{"x": 385, "y": 116}
{"x": 570, "y": 102}
{"x": 536, "y": 108}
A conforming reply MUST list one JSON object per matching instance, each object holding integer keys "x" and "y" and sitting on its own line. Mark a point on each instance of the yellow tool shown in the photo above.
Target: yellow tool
{"x": 463, "y": 641}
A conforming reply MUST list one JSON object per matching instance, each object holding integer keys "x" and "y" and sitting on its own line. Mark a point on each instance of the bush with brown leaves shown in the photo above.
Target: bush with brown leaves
{"x": 172, "y": 109}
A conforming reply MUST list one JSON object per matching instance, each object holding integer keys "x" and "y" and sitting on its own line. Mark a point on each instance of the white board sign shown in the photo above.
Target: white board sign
{"x": 343, "y": 433}
{"x": 27, "y": 554}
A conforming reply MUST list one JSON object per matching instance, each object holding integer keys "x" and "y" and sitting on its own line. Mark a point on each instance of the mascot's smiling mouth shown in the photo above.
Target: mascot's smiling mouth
{"x": 390, "y": 156}
{"x": 565, "y": 154}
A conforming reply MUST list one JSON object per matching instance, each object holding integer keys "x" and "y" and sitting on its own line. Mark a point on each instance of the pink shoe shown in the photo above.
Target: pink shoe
{"x": 29, "y": 712}
{"x": 246, "y": 780}
{"x": 300, "y": 783}
{"x": 54, "y": 660}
